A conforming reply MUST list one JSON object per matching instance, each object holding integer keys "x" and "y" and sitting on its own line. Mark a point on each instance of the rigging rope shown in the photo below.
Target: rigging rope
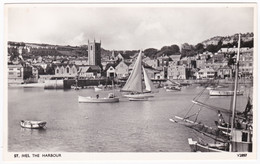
{"x": 200, "y": 93}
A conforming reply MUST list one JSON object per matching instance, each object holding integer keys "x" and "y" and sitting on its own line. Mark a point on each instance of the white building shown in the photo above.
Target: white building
{"x": 206, "y": 73}
{"x": 122, "y": 69}
{"x": 177, "y": 71}
{"x": 111, "y": 72}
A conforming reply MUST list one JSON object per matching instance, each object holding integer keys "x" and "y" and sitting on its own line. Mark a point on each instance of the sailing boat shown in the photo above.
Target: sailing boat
{"x": 232, "y": 137}
{"x": 134, "y": 83}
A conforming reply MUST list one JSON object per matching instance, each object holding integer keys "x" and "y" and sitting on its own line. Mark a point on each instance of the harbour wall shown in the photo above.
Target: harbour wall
{"x": 84, "y": 83}
{"x": 54, "y": 84}
{"x": 67, "y": 83}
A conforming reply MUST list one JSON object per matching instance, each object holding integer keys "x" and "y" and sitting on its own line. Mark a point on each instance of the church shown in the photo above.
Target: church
{"x": 94, "y": 53}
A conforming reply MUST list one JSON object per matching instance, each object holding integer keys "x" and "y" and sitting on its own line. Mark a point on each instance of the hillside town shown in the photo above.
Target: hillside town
{"x": 35, "y": 63}
{"x": 156, "y": 79}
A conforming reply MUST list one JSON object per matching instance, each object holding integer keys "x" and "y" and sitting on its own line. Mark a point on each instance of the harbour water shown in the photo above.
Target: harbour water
{"x": 140, "y": 126}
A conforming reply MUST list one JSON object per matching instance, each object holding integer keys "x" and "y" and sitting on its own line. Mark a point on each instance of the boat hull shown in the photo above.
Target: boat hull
{"x": 139, "y": 96}
{"x": 97, "y": 89}
{"x": 224, "y": 93}
{"x": 82, "y": 99}
{"x": 138, "y": 99}
{"x": 172, "y": 90}
{"x": 33, "y": 124}
{"x": 197, "y": 147}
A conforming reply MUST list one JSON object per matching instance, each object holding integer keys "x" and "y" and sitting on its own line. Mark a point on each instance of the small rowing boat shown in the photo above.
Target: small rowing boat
{"x": 32, "y": 124}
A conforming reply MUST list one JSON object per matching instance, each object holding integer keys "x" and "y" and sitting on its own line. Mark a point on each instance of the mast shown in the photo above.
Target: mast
{"x": 235, "y": 93}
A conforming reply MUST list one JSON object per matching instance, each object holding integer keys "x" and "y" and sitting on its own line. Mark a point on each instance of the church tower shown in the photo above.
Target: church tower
{"x": 94, "y": 53}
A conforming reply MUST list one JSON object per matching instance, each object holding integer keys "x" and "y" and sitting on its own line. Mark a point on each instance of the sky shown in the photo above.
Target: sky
{"x": 125, "y": 27}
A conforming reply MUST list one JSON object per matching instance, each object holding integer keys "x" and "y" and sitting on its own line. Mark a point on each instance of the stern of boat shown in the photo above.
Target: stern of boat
{"x": 193, "y": 145}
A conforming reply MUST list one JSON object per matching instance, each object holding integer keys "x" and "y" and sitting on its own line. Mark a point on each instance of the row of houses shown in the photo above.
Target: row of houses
{"x": 201, "y": 66}
{"x": 18, "y": 73}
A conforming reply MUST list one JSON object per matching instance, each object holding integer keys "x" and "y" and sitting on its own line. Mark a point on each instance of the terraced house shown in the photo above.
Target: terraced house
{"x": 65, "y": 70}
{"x": 17, "y": 73}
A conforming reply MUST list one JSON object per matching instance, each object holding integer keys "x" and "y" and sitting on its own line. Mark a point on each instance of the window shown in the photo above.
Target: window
{"x": 90, "y": 47}
{"x": 68, "y": 70}
{"x": 244, "y": 137}
{"x": 57, "y": 71}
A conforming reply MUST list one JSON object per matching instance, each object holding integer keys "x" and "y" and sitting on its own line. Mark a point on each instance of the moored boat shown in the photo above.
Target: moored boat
{"x": 111, "y": 98}
{"x": 172, "y": 88}
{"x": 204, "y": 147}
{"x": 75, "y": 87}
{"x": 224, "y": 93}
{"x": 99, "y": 88}
{"x": 33, "y": 124}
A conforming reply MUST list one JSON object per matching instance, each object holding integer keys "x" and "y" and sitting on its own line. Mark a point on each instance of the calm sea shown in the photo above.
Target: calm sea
{"x": 126, "y": 126}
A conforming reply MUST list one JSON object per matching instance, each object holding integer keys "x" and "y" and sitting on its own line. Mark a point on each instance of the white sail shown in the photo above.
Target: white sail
{"x": 134, "y": 82}
{"x": 148, "y": 83}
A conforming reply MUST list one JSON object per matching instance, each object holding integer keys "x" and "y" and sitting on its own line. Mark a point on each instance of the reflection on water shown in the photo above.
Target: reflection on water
{"x": 127, "y": 126}
{"x": 39, "y": 131}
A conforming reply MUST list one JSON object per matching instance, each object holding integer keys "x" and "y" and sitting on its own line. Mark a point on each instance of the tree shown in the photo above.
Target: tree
{"x": 175, "y": 49}
{"x": 231, "y": 60}
{"x": 150, "y": 52}
{"x": 187, "y": 50}
{"x": 199, "y": 48}
{"x": 170, "y": 50}
{"x": 249, "y": 44}
{"x": 50, "y": 70}
{"x": 214, "y": 48}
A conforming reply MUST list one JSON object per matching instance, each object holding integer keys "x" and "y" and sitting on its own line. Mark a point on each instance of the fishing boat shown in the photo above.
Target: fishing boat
{"x": 172, "y": 88}
{"x": 111, "y": 98}
{"x": 215, "y": 86}
{"x": 134, "y": 84}
{"x": 75, "y": 87}
{"x": 33, "y": 124}
{"x": 234, "y": 136}
{"x": 224, "y": 93}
